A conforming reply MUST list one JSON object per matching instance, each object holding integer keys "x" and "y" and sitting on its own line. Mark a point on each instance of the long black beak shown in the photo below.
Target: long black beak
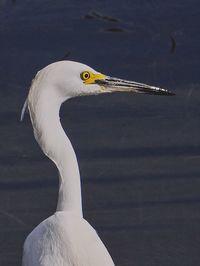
{"x": 110, "y": 84}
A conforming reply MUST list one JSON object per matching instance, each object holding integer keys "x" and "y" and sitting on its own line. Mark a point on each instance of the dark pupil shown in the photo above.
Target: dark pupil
{"x": 86, "y": 75}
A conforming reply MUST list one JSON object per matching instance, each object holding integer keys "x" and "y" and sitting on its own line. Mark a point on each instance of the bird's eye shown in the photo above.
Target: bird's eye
{"x": 85, "y": 75}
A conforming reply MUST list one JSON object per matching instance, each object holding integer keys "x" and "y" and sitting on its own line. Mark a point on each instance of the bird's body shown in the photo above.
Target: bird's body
{"x": 66, "y": 238}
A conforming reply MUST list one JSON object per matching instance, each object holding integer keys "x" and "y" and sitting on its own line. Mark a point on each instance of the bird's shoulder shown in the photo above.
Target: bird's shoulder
{"x": 61, "y": 226}
{"x": 65, "y": 238}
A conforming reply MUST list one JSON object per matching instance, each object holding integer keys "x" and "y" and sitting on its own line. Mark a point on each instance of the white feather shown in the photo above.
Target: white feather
{"x": 65, "y": 238}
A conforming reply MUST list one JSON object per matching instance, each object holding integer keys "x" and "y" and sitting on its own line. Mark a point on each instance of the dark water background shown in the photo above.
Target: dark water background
{"x": 139, "y": 155}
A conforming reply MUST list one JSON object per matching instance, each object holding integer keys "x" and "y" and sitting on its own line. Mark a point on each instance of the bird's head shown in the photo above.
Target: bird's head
{"x": 67, "y": 79}
{"x": 72, "y": 79}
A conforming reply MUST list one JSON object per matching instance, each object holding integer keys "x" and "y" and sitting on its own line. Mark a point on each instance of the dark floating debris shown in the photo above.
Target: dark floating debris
{"x": 97, "y": 15}
{"x": 173, "y": 44}
{"x": 65, "y": 56}
{"x": 88, "y": 16}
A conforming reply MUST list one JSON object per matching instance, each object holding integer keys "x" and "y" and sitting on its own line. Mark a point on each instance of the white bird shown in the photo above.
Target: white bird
{"x": 66, "y": 238}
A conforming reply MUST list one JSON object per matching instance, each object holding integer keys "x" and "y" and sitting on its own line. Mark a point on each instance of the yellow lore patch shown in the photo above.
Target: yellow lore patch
{"x": 89, "y": 78}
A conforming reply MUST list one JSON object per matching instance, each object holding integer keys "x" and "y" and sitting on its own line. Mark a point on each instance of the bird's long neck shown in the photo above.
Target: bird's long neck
{"x": 55, "y": 144}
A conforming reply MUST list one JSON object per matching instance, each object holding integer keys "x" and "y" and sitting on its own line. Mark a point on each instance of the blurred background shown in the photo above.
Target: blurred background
{"x": 139, "y": 155}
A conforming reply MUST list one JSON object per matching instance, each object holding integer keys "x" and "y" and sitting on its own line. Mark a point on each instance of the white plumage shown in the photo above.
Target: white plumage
{"x": 66, "y": 238}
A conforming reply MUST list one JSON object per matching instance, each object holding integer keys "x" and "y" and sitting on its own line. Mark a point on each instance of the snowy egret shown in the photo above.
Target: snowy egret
{"x": 66, "y": 238}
